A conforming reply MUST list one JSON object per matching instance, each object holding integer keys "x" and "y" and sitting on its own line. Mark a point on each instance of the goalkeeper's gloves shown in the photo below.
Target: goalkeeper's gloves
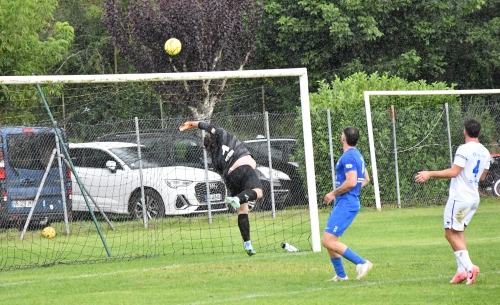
{"x": 187, "y": 125}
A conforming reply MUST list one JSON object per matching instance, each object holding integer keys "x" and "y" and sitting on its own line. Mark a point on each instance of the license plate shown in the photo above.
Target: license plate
{"x": 213, "y": 197}
{"x": 22, "y": 203}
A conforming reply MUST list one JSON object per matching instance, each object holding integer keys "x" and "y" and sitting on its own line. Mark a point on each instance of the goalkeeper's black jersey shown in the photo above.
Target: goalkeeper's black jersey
{"x": 228, "y": 148}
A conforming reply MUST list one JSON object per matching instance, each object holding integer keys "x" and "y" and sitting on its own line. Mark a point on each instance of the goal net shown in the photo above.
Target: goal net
{"x": 141, "y": 188}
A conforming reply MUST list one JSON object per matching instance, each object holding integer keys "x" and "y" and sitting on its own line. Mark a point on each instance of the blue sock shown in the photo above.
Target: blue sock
{"x": 338, "y": 266}
{"x": 353, "y": 257}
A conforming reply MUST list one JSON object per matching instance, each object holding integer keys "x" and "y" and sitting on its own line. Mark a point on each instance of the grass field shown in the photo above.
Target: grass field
{"x": 413, "y": 264}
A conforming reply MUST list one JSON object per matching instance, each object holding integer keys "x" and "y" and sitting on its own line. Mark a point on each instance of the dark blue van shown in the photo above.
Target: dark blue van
{"x": 25, "y": 154}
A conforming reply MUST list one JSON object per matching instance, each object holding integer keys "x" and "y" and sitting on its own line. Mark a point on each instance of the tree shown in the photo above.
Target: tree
{"x": 93, "y": 52}
{"x": 29, "y": 43}
{"x": 216, "y": 35}
{"x": 437, "y": 40}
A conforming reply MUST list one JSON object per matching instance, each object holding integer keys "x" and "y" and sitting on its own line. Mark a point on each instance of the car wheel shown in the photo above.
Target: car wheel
{"x": 496, "y": 188}
{"x": 155, "y": 208}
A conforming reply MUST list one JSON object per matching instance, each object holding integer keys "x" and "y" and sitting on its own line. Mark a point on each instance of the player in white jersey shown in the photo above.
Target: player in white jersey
{"x": 471, "y": 164}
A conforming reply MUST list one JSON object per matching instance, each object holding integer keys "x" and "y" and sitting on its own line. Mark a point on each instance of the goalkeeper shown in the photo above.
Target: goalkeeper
{"x": 232, "y": 160}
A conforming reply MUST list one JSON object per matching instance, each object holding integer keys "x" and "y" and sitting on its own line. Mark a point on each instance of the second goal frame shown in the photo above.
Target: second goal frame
{"x": 371, "y": 140}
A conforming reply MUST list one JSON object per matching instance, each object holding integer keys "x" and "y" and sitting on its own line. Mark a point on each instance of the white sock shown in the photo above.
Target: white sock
{"x": 460, "y": 267}
{"x": 464, "y": 259}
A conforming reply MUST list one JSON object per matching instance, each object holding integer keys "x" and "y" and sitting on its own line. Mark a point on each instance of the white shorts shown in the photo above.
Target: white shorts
{"x": 458, "y": 214}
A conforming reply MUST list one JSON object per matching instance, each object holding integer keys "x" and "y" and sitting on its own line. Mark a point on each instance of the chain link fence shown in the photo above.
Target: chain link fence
{"x": 405, "y": 143}
{"x": 199, "y": 221}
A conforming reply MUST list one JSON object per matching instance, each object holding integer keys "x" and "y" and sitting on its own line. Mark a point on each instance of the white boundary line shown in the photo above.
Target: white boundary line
{"x": 245, "y": 259}
{"x": 334, "y": 286}
{"x": 344, "y": 285}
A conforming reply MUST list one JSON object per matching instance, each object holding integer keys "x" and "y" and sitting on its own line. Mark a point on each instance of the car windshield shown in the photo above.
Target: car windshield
{"x": 164, "y": 149}
{"x": 281, "y": 150}
{"x": 130, "y": 156}
{"x": 31, "y": 150}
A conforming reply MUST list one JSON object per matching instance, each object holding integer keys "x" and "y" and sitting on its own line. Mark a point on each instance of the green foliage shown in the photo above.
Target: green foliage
{"x": 348, "y": 93}
{"x": 30, "y": 42}
{"x": 450, "y": 41}
{"x": 93, "y": 52}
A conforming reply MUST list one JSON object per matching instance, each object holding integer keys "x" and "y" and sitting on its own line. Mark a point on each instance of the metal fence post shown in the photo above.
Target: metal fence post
{"x": 207, "y": 184}
{"x": 332, "y": 161}
{"x": 449, "y": 134}
{"x": 143, "y": 199}
{"x": 393, "y": 119}
{"x": 268, "y": 136}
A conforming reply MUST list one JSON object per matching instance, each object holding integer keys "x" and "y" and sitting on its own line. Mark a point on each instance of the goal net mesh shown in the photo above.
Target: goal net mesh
{"x": 95, "y": 117}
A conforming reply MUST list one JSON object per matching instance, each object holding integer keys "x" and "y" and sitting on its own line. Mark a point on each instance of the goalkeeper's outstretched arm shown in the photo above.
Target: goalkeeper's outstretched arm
{"x": 188, "y": 125}
{"x": 198, "y": 124}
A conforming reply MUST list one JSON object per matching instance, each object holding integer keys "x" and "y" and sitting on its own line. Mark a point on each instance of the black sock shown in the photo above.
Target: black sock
{"x": 247, "y": 195}
{"x": 244, "y": 225}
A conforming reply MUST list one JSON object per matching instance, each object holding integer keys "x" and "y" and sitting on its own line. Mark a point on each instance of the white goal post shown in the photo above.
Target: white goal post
{"x": 304, "y": 96}
{"x": 367, "y": 95}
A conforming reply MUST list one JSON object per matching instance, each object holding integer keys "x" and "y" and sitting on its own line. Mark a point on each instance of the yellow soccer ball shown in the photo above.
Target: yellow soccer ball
{"x": 49, "y": 232}
{"x": 173, "y": 46}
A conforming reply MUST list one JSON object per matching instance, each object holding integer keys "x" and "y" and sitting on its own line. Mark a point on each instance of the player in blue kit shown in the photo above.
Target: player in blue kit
{"x": 351, "y": 176}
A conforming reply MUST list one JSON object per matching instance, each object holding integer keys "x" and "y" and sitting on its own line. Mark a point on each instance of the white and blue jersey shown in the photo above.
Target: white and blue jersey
{"x": 351, "y": 160}
{"x": 474, "y": 158}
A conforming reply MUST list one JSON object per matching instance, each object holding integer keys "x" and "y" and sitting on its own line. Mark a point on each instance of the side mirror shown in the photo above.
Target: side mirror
{"x": 111, "y": 165}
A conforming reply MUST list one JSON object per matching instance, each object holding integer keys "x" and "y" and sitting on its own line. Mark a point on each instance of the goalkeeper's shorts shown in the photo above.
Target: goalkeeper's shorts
{"x": 242, "y": 178}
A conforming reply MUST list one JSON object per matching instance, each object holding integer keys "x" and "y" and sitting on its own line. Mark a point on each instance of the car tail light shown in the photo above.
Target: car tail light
{"x": 28, "y": 130}
{"x": 2, "y": 165}
{"x": 68, "y": 173}
{"x": 4, "y": 195}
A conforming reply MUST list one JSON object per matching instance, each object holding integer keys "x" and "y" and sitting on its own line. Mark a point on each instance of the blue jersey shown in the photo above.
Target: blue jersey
{"x": 351, "y": 160}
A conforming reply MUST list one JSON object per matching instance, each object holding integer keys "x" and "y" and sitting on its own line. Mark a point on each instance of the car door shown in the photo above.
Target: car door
{"x": 102, "y": 184}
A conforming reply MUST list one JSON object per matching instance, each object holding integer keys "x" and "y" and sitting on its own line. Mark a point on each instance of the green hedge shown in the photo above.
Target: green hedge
{"x": 421, "y": 133}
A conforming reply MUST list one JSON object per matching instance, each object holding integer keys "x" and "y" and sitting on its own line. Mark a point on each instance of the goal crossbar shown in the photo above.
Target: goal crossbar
{"x": 371, "y": 140}
{"x": 160, "y": 77}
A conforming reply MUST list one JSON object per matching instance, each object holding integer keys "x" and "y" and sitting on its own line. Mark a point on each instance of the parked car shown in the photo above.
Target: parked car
{"x": 187, "y": 149}
{"x": 110, "y": 173}
{"x": 25, "y": 154}
{"x": 288, "y": 186}
{"x": 172, "y": 146}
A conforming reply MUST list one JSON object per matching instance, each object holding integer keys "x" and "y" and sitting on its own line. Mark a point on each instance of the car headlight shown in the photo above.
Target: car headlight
{"x": 178, "y": 183}
{"x": 263, "y": 172}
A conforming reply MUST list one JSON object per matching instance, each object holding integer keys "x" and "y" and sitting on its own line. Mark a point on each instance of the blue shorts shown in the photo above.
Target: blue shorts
{"x": 339, "y": 220}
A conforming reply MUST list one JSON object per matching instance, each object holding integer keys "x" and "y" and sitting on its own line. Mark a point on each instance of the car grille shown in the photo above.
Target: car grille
{"x": 213, "y": 207}
{"x": 280, "y": 195}
{"x": 216, "y": 187}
